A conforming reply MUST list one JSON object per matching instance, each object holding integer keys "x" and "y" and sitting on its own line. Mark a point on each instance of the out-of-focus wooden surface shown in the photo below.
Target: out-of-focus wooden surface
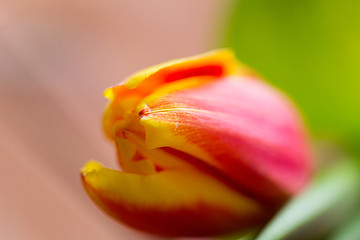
{"x": 56, "y": 58}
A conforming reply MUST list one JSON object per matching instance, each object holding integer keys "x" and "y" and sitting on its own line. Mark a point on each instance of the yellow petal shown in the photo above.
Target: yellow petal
{"x": 169, "y": 202}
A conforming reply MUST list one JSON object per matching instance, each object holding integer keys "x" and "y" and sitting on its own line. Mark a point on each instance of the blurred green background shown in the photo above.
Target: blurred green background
{"x": 311, "y": 50}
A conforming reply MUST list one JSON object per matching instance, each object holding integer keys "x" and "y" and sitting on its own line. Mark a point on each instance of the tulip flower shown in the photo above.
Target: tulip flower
{"x": 205, "y": 146}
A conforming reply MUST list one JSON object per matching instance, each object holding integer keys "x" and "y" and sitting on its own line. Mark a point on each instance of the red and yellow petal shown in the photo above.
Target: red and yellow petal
{"x": 216, "y": 64}
{"x": 125, "y": 97}
{"x": 242, "y": 127}
{"x": 170, "y": 202}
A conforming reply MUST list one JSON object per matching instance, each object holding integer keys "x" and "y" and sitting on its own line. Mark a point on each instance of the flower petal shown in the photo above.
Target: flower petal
{"x": 171, "y": 203}
{"x": 216, "y": 63}
{"x": 243, "y": 127}
{"x": 125, "y": 97}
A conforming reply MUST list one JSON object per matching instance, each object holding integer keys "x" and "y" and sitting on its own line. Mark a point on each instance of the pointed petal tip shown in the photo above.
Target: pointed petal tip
{"x": 90, "y": 167}
{"x": 109, "y": 93}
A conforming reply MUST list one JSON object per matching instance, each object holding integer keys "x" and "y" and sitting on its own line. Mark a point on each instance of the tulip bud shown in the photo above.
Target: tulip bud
{"x": 206, "y": 148}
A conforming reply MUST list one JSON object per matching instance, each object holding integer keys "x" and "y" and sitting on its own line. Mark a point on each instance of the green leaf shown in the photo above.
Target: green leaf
{"x": 311, "y": 50}
{"x": 350, "y": 231}
{"x": 320, "y": 208}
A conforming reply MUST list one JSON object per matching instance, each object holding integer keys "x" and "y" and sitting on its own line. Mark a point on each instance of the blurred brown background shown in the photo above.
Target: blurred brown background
{"x": 56, "y": 59}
